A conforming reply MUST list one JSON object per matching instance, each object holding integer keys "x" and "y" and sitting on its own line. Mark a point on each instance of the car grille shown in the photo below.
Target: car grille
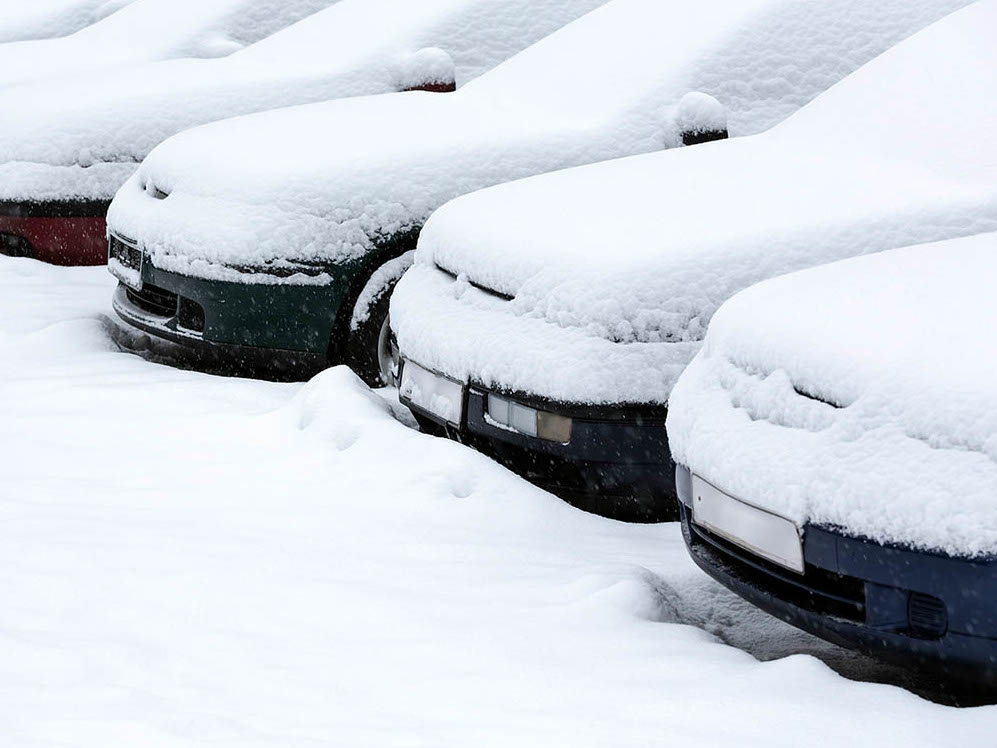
{"x": 927, "y": 616}
{"x": 816, "y": 590}
{"x": 154, "y": 300}
{"x": 128, "y": 255}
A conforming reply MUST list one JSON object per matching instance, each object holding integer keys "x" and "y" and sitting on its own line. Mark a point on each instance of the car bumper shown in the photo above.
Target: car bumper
{"x": 58, "y": 232}
{"x": 913, "y": 608}
{"x": 616, "y": 462}
{"x": 228, "y": 316}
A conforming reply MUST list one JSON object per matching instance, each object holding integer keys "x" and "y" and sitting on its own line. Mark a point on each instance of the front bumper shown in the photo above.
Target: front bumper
{"x": 616, "y": 462}
{"x": 233, "y": 317}
{"x": 916, "y": 609}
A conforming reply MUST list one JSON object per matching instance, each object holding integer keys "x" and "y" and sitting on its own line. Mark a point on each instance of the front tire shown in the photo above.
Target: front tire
{"x": 371, "y": 351}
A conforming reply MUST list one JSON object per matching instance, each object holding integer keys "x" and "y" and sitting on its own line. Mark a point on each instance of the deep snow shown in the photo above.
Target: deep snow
{"x": 900, "y": 444}
{"x": 189, "y": 560}
{"x": 339, "y": 177}
{"x": 81, "y": 138}
{"x": 149, "y": 30}
{"x": 46, "y": 19}
{"x": 616, "y": 268}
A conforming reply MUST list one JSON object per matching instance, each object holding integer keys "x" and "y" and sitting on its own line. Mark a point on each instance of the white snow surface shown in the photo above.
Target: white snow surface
{"x": 83, "y": 137}
{"x": 190, "y": 560}
{"x": 45, "y": 19}
{"x": 901, "y": 443}
{"x": 326, "y": 182}
{"x": 617, "y": 268}
{"x": 149, "y": 30}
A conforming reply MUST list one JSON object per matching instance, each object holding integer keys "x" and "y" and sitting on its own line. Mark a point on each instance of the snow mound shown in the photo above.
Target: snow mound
{"x": 605, "y": 86}
{"x": 195, "y": 568}
{"x": 699, "y": 113}
{"x": 618, "y": 267}
{"x": 858, "y": 395}
{"x": 428, "y": 65}
{"x": 52, "y": 130}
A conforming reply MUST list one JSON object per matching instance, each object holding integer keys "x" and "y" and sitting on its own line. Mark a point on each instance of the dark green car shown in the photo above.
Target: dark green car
{"x": 269, "y": 325}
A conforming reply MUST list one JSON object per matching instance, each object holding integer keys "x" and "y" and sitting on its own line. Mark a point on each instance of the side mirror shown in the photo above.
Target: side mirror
{"x": 700, "y": 118}
{"x": 429, "y": 69}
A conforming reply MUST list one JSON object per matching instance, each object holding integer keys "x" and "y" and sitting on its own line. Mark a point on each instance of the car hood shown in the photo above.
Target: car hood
{"x": 328, "y": 182}
{"x": 645, "y": 249}
{"x": 858, "y": 395}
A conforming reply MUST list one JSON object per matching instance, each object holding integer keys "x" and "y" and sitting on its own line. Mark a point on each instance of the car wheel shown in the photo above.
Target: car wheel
{"x": 372, "y": 352}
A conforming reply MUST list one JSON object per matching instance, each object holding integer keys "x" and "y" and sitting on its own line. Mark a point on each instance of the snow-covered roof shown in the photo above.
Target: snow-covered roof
{"x": 46, "y": 19}
{"x": 859, "y": 394}
{"x": 82, "y": 138}
{"x": 617, "y": 268}
{"x": 149, "y": 30}
{"x": 338, "y": 177}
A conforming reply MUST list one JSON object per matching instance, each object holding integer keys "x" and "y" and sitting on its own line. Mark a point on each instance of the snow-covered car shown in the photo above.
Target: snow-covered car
{"x": 284, "y": 232}
{"x": 546, "y": 320}
{"x": 67, "y": 146}
{"x": 47, "y": 19}
{"x": 150, "y": 30}
{"x": 836, "y": 442}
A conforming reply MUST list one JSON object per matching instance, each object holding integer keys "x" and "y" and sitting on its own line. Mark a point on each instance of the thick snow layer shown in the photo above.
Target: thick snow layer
{"x": 617, "y": 268}
{"x": 46, "y": 19}
{"x": 336, "y": 178}
{"x": 83, "y": 138}
{"x": 859, "y": 394}
{"x": 190, "y": 561}
{"x": 149, "y": 30}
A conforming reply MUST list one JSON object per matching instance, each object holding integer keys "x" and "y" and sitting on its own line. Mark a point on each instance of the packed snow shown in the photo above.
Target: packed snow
{"x": 149, "y": 30}
{"x": 46, "y": 19}
{"x": 617, "y": 268}
{"x": 82, "y": 138}
{"x": 188, "y": 559}
{"x": 859, "y": 395}
{"x": 339, "y": 177}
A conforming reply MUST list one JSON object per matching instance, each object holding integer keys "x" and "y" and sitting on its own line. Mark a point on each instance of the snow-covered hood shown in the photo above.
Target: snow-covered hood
{"x": 326, "y": 182}
{"x": 860, "y": 395}
{"x": 644, "y": 250}
{"x": 149, "y": 30}
{"x": 83, "y": 138}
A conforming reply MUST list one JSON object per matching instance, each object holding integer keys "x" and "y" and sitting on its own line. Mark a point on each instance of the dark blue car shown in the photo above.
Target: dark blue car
{"x": 917, "y": 609}
{"x": 836, "y": 451}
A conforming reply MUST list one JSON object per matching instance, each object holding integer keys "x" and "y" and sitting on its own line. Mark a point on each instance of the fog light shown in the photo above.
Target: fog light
{"x": 529, "y": 421}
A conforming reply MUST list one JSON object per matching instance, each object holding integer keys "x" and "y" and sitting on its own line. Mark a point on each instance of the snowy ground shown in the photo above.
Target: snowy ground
{"x": 188, "y": 560}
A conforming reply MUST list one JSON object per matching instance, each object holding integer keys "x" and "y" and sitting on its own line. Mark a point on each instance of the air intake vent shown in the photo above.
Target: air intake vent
{"x": 927, "y": 617}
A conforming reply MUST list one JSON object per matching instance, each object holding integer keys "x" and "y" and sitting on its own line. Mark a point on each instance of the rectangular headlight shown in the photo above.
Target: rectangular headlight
{"x": 528, "y": 421}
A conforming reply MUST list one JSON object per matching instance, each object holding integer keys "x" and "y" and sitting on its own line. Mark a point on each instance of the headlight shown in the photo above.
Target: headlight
{"x": 529, "y": 421}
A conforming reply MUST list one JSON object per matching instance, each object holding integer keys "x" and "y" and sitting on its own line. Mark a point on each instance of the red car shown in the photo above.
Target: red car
{"x": 64, "y": 232}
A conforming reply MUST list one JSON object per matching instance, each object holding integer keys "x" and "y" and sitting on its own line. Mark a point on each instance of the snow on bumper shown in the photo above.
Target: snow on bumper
{"x": 755, "y": 435}
{"x": 473, "y": 335}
